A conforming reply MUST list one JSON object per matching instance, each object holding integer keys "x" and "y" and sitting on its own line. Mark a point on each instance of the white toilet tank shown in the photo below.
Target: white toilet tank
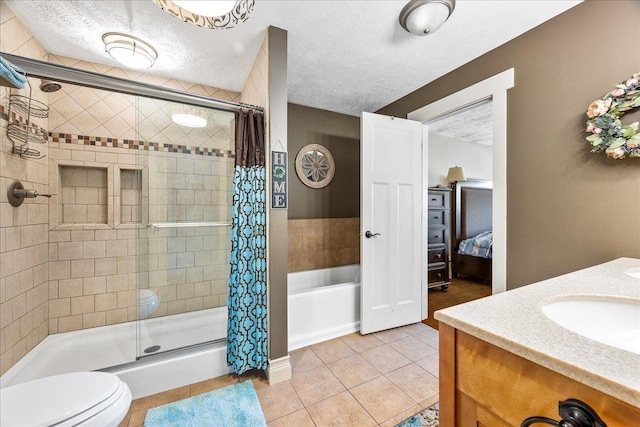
{"x": 79, "y": 398}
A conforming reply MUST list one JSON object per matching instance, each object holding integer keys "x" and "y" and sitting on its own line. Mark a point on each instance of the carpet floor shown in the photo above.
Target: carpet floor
{"x": 429, "y": 417}
{"x": 460, "y": 291}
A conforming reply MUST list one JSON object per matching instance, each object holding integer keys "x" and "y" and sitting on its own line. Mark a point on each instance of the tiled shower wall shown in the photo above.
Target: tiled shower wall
{"x": 164, "y": 174}
{"x": 24, "y": 306}
{"x": 91, "y": 272}
{"x": 323, "y": 243}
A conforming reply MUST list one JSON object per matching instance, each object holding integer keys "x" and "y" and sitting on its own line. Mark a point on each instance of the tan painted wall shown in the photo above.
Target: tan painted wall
{"x": 340, "y": 134}
{"x": 567, "y": 208}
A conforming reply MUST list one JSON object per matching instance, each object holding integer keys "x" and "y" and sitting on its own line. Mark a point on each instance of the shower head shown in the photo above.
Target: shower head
{"x": 49, "y": 86}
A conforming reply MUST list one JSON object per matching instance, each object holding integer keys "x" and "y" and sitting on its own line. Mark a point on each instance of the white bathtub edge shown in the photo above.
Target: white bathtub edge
{"x": 177, "y": 370}
{"x": 300, "y": 341}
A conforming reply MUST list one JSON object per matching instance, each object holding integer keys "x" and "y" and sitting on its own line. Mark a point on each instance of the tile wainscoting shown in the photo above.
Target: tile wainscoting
{"x": 323, "y": 243}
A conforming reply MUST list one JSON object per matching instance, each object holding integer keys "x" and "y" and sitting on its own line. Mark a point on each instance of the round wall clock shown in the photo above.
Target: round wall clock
{"x": 315, "y": 166}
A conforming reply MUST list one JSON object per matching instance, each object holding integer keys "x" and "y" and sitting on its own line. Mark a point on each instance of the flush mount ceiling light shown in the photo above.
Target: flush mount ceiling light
{"x": 189, "y": 120}
{"x": 422, "y": 17}
{"x": 214, "y": 14}
{"x": 189, "y": 116}
{"x": 129, "y": 51}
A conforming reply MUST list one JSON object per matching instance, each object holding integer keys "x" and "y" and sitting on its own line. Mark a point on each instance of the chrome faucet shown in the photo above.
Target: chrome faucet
{"x": 16, "y": 193}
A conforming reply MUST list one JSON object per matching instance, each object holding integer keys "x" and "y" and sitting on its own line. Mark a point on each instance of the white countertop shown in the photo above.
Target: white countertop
{"x": 514, "y": 321}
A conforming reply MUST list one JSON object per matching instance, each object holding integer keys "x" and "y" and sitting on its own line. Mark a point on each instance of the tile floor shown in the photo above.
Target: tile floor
{"x": 374, "y": 380}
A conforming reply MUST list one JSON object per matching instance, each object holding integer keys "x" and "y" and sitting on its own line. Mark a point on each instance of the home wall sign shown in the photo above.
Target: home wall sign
{"x": 315, "y": 166}
{"x": 278, "y": 180}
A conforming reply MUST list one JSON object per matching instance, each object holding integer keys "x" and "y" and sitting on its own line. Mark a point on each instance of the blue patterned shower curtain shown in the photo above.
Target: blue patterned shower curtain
{"x": 247, "y": 324}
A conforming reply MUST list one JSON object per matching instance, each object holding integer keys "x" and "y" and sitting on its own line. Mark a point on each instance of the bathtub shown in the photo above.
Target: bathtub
{"x": 323, "y": 304}
{"x": 115, "y": 348}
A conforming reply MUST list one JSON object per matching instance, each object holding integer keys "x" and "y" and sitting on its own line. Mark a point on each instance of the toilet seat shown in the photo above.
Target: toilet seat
{"x": 79, "y": 398}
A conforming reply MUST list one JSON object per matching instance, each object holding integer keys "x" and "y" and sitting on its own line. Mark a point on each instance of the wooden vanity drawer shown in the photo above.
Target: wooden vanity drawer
{"x": 436, "y": 255}
{"x": 438, "y": 275}
{"x": 435, "y": 236}
{"x": 437, "y": 218}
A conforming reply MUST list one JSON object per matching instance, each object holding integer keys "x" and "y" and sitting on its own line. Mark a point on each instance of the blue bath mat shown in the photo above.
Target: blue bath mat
{"x": 233, "y": 406}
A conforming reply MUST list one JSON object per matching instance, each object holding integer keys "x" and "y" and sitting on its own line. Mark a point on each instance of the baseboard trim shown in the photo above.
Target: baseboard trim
{"x": 279, "y": 370}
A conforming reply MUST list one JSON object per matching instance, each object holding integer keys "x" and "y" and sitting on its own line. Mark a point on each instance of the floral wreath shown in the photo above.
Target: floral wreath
{"x": 607, "y": 132}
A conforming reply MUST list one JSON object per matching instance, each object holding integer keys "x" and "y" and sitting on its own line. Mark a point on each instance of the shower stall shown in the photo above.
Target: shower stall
{"x": 139, "y": 229}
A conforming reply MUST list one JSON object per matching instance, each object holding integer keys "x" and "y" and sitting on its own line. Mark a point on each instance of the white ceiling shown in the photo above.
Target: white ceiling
{"x": 344, "y": 56}
{"x": 473, "y": 124}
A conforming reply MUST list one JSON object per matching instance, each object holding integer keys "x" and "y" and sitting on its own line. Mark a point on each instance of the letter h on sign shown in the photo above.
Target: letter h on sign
{"x": 278, "y": 180}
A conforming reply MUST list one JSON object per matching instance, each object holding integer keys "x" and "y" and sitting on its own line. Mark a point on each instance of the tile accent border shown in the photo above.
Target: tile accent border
{"x": 131, "y": 144}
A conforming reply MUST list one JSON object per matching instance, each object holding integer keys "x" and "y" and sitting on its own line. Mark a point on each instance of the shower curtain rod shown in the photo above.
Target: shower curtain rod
{"x": 61, "y": 73}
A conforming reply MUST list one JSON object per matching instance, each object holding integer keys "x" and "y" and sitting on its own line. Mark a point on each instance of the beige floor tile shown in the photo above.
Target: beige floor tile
{"x": 304, "y": 359}
{"x": 213, "y": 384}
{"x": 360, "y": 343}
{"x": 430, "y": 401}
{"x": 353, "y": 371}
{"x": 416, "y": 328}
{"x": 385, "y": 359}
{"x": 391, "y": 335}
{"x": 160, "y": 399}
{"x": 417, "y": 383}
{"x": 412, "y": 348}
{"x": 137, "y": 418}
{"x": 299, "y": 418}
{"x": 340, "y": 410}
{"x": 278, "y": 400}
{"x": 332, "y": 350}
{"x": 382, "y": 399}
{"x": 316, "y": 385}
{"x": 431, "y": 364}
{"x": 429, "y": 337}
{"x": 398, "y": 418}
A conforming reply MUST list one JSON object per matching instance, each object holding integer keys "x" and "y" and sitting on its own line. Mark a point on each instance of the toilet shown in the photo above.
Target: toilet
{"x": 148, "y": 303}
{"x": 75, "y": 399}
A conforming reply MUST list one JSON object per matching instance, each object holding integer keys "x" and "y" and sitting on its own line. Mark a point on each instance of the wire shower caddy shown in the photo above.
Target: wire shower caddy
{"x": 23, "y": 134}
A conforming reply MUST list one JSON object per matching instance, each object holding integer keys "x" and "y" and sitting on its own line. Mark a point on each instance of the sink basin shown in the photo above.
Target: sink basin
{"x": 609, "y": 320}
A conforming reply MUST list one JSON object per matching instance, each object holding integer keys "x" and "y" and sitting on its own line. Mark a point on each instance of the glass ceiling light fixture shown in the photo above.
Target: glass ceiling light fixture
{"x": 212, "y": 14}
{"x": 190, "y": 116}
{"x": 422, "y": 17}
{"x": 129, "y": 51}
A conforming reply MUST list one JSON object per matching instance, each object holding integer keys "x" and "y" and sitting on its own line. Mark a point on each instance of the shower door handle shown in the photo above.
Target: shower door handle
{"x": 369, "y": 234}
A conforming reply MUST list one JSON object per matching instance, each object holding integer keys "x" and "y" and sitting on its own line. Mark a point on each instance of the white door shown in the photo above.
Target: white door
{"x": 391, "y": 214}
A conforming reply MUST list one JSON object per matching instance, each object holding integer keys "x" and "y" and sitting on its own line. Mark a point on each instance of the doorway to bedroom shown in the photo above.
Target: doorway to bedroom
{"x": 460, "y": 174}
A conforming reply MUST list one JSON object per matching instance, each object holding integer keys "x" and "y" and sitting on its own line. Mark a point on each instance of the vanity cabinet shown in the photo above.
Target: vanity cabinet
{"x": 438, "y": 237}
{"x": 484, "y": 385}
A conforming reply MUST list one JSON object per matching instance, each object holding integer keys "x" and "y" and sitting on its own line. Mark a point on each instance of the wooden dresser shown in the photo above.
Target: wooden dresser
{"x": 438, "y": 237}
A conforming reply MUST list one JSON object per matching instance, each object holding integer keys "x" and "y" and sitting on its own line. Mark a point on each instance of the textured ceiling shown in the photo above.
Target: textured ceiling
{"x": 344, "y": 56}
{"x": 473, "y": 124}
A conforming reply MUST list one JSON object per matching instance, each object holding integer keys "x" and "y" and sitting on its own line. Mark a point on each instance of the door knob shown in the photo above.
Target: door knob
{"x": 369, "y": 234}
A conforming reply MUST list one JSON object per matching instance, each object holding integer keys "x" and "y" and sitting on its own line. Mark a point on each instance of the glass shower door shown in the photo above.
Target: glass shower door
{"x": 186, "y": 162}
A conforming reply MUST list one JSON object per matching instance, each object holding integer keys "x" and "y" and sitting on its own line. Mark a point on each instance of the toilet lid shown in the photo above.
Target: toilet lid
{"x": 50, "y": 400}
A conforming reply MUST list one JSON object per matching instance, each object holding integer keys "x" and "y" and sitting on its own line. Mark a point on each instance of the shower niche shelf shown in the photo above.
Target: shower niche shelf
{"x": 23, "y": 134}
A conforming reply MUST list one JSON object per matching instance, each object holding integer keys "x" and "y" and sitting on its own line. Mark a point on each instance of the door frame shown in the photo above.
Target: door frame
{"x": 494, "y": 88}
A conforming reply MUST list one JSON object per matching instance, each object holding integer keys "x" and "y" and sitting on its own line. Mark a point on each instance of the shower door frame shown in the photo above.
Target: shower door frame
{"x": 69, "y": 75}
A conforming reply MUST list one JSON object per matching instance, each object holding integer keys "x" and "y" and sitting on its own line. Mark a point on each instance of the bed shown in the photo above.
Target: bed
{"x": 472, "y": 227}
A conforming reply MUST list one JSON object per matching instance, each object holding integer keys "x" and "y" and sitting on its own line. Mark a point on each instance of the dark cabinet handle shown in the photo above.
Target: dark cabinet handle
{"x": 436, "y": 236}
{"x": 573, "y": 413}
{"x": 434, "y": 199}
{"x": 439, "y": 275}
{"x": 438, "y": 255}
{"x": 436, "y": 217}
